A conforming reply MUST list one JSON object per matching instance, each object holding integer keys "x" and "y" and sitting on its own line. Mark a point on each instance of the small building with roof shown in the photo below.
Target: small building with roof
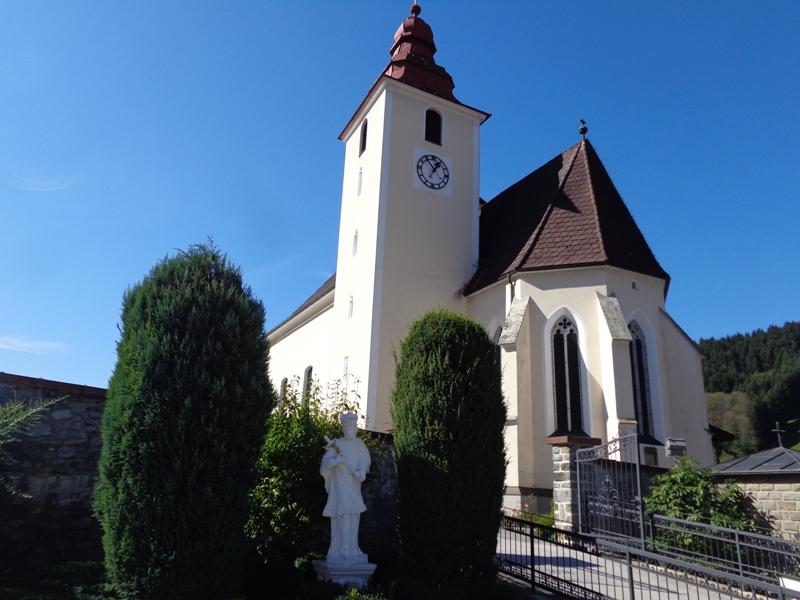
{"x": 554, "y": 267}
{"x": 772, "y": 479}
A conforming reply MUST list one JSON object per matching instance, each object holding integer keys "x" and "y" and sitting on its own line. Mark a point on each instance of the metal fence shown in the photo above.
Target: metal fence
{"x": 580, "y": 566}
{"x": 746, "y": 554}
{"x": 610, "y": 488}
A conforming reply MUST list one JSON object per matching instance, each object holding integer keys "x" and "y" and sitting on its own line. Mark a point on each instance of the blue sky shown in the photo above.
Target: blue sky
{"x": 131, "y": 129}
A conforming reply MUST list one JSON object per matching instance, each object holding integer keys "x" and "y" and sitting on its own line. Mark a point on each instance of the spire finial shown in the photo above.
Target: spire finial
{"x": 416, "y": 9}
{"x": 583, "y": 129}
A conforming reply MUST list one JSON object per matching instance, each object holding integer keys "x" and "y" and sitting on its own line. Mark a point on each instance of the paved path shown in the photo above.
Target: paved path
{"x": 603, "y": 575}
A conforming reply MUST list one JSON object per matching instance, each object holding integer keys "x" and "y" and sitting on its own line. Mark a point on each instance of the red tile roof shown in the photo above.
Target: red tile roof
{"x": 566, "y": 213}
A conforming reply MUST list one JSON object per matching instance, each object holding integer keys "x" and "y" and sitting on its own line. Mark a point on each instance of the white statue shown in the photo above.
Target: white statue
{"x": 344, "y": 466}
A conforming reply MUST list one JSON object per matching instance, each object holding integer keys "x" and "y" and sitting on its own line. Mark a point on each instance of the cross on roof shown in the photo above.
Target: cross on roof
{"x": 779, "y": 431}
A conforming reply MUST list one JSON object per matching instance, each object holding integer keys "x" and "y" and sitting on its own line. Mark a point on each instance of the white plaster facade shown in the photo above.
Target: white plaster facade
{"x": 405, "y": 248}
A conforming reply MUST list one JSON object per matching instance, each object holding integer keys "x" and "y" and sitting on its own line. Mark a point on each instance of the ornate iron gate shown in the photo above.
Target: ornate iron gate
{"x": 610, "y": 489}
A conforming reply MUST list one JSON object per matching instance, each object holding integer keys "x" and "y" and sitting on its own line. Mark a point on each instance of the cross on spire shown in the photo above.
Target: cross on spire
{"x": 779, "y": 431}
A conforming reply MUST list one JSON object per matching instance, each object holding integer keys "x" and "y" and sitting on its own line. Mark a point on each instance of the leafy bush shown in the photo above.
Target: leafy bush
{"x": 185, "y": 417}
{"x": 289, "y": 495}
{"x": 685, "y": 492}
{"x": 449, "y": 414}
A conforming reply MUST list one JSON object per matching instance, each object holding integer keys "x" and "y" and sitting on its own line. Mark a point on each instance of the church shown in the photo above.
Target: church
{"x": 554, "y": 267}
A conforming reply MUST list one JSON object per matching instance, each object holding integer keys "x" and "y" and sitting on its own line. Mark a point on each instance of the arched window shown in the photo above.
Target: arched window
{"x": 360, "y": 179}
{"x": 350, "y": 308}
{"x": 433, "y": 127}
{"x": 566, "y": 378}
{"x": 355, "y": 243}
{"x": 307, "y": 382}
{"x": 284, "y": 385}
{"x": 640, "y": 376}
{"x": 363, "y": 142}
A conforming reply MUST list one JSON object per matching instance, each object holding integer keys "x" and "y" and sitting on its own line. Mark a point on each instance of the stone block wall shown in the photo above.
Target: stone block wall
{"x": 565, "y": 485}
{"x": 56, "y": 464}
{"x": 778, "y": 496}
{"x": 378, "y": 527}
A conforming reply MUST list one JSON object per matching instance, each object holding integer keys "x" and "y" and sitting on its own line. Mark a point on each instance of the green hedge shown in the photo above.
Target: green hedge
{"x": 185, "y": 418}
{"x": 448, "y": 413}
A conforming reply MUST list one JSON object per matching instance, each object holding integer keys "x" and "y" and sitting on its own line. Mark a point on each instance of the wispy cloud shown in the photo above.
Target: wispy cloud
{"x": 54, "y": 184}
{"x": 19, "y": 344}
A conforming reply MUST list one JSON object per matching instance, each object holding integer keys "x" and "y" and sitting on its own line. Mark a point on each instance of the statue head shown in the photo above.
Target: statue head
{"x": 349, "y": 425}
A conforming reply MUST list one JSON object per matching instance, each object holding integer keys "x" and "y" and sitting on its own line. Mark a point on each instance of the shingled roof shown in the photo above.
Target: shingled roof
{"x": 566, "y": 213}
{"x": 769, "y": 462}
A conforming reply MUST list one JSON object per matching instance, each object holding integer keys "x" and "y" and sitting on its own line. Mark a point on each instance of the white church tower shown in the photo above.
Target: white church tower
{"x": 408, "y": 237}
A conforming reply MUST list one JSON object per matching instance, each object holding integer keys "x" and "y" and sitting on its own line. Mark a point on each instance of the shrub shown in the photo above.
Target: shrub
{"x": 289, "y": 495}
{"x": 16, "y": 417}
{"x": 686, "y": 492}
{"x": 185, "y": 417}
{"x": 449, "y": 414}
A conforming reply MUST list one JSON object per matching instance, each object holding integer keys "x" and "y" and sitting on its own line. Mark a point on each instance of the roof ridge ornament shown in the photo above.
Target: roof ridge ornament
{"x": 416, "y": 9}
{"x": 583, "y": 129}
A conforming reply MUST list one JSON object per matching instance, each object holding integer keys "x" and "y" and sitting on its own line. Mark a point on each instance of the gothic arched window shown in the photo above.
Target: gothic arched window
{"x": 640, "y": 375}
{"x": 433, "y": 127}
{"x": 284, "y": 385}
{"x": 567, "y": 378}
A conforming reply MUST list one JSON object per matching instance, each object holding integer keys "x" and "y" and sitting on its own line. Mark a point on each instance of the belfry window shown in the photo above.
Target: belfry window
{"x": 433, "y": 127}
{"x": 567, "y": 378}
{"x": 640, "y": 375}
{"x": 363, "y": 142}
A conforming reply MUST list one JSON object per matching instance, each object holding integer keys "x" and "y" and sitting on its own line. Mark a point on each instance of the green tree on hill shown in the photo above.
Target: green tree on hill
{"x": 765, "y": 367}
{"x": 185, "y": 419}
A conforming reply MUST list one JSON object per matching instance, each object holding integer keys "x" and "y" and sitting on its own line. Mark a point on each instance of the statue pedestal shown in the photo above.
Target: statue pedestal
{"x": 353, "y": 571}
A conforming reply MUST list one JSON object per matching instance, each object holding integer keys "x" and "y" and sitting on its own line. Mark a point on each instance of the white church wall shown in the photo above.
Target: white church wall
{"x": 427, "y": 237}
{"x": 359, "y": 261}
{"x": 686, "y": 413}
{"x": 307, "y": 345}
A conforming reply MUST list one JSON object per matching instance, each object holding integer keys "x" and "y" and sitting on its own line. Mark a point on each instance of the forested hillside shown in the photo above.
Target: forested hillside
{"x": 752, "y": 381}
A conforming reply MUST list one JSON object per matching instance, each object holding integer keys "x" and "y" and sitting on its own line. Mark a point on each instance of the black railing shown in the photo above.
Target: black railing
{"x": 581, "y": 566}
{"x": 743, "y": 553}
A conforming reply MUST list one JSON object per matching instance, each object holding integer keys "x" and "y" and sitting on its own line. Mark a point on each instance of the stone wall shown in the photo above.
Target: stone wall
{"x": 776, "y": 495}
{"x": 56, "y": 464}
{"x": 378, "y": 527}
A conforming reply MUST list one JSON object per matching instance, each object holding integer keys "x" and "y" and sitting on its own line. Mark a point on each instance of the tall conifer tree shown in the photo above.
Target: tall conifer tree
{"x": 184, "y": 421}
{"x": 448, "y": 413}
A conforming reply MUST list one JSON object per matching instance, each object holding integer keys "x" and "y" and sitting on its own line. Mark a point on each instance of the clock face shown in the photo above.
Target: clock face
{"x": 432, "y": 171}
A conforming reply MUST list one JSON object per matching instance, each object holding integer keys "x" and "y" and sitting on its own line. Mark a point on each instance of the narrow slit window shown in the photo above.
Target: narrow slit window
{"x": 307, "y": 383}
{"x": 433, "y": 127}
{"x": 355, "y": 243}
{"x": 363, "y": 142}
